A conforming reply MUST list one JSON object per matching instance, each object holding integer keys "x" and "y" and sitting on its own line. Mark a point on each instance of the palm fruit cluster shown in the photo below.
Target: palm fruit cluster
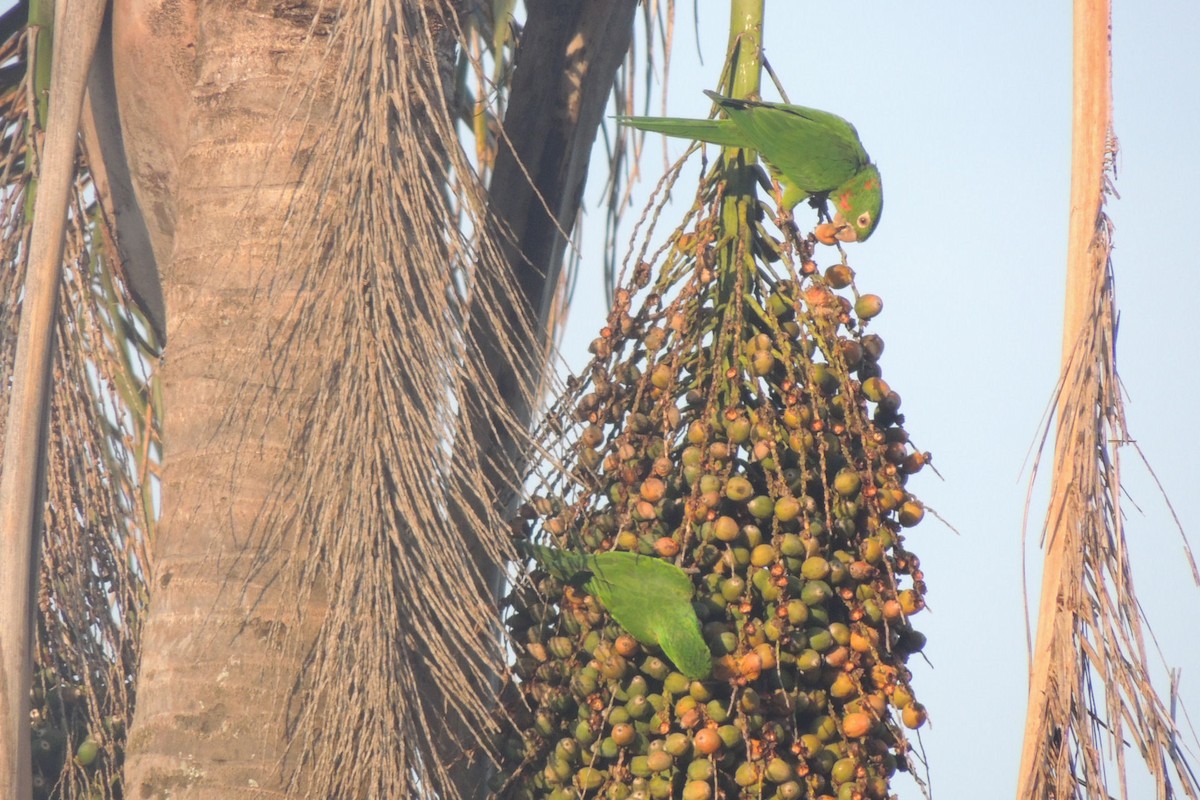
{"x": 62, "y": 745}
{"x": 736, "y": 422}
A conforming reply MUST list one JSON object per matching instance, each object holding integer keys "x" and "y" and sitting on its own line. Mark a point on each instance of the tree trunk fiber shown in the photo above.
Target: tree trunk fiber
{"x": 221, "y": 635}
{"x": 217, "y": 151}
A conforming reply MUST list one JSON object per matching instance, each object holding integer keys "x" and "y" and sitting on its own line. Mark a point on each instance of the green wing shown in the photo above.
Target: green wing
{"x": 648, "y": 597}
{"x": 634, "y": 588}
{"x": 809, "y": 151}
{"x": 722, "y": 132}
{"x": 680, "y": 638}
{"x": 652, "y": 599}
{"x": 815, "y": 150}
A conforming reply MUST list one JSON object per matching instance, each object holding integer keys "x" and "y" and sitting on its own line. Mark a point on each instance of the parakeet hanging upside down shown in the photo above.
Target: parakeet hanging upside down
{"x": 811, "y": 153}
{"x": 648, "y": 597}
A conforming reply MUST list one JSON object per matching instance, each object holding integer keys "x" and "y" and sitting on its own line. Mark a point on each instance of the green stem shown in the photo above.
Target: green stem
{"x": 745, "y": 69}
{"x": 41, "y": 18}
{"x": 736, "y": 261}
{"x": 41, "y": 43}
{"x": 745, "y": 42}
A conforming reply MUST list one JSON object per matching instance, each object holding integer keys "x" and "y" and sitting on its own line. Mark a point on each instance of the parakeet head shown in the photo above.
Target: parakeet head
{"x": 858, "y": 203}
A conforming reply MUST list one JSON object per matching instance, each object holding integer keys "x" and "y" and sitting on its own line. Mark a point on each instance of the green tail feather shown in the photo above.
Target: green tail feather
{"x": 562, "y": 564}
{"x": 714, "y": 131}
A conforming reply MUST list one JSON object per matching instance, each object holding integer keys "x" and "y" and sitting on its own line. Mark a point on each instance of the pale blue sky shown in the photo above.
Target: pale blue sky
{"x": 966, "y": 109}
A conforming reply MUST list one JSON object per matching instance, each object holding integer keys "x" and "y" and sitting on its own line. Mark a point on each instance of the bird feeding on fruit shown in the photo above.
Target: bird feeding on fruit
{"x": 811, "y": 153}
{"x": 647, "y": 596}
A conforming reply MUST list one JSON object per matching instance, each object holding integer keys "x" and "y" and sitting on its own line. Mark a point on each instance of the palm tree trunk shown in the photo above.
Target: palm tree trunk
{"x": 222, "y": 634}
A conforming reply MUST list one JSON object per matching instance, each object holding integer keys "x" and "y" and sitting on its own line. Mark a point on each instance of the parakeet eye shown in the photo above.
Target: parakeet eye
{"x": 864, "y": 219}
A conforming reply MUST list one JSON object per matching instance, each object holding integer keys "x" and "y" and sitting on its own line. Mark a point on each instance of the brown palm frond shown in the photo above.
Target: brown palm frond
{"x": 411, "y": 295}
{"x": 1100, "y": 696}
{"x": 101, "y": 456}
{"x": 1092, "y": 698}
{"x": 13, "y": 182}
{"x": 658, "y": 24}
{"x": 104, "y": 447}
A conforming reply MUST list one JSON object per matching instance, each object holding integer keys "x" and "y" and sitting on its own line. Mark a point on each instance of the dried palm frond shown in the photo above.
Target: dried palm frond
{"x": 1092, "y": 697}
{"x": 430, "y": 366}
{"x": 99, "y": 520}
{"x": 1100, "y": 697}
{"x": 658, "y": 23}
{"x": 101, "y": 456}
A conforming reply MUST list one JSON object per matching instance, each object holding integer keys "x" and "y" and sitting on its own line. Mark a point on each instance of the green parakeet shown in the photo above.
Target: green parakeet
{"x": 811, "y": 153}
{"x": 648, "y": 597}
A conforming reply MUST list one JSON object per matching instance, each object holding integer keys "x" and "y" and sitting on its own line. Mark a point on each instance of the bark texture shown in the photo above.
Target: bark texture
{"x": 317, "y": 626}
{"x": 216, "y": 173}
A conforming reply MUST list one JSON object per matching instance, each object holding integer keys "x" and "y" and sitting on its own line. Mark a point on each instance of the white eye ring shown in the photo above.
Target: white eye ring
{"x": 864, "y": 219}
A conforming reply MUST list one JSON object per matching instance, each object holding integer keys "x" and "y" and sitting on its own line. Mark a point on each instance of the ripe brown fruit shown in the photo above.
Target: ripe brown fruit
{"x": 826, "y": 233}
{"x": 706, "y": 741}
{"x": 857, "y": 724}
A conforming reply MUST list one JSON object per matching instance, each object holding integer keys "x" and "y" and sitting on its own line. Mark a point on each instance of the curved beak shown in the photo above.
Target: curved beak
{"x": 844, "y": 231}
